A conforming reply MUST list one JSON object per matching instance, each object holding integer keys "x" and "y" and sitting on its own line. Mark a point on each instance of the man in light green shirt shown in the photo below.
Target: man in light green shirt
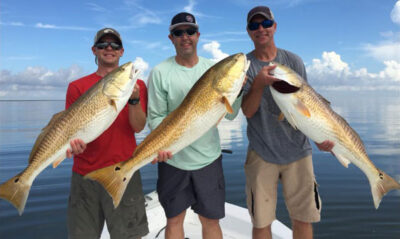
{"x": 192, "y": 177}
{"x": 170, "y": 82}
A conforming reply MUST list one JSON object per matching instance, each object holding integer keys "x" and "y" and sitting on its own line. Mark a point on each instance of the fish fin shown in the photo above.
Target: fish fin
{"x": 381, "y": 185}
{"x": 219, "y": 120}
{"x": 344, "y": 161}
{"x": 58, "y": 160}
{"x": 281, "y": 117}
{"x": 291, "y": 121}
{"x": 227, "y": 104}
{"x": 113, "y": 103}
{"x": 44, "y": 132}
{"x": 302, "y": 109}
{"x": 16, "y": 192}
{"x": 114, "y": 180}
{"x": 323, "y": 99}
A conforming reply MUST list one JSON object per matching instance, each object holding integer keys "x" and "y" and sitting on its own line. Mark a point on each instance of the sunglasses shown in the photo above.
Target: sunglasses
{"x": 189, "y": 32}
{"x": 104, "y": 45}
{"x": 252, "y": 26}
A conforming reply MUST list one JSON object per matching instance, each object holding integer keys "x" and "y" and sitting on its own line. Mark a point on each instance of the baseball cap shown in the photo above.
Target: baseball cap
{"x": 107, "y": 31}
{"x": 260, "y": 10}
{"x": 183, "y": 18}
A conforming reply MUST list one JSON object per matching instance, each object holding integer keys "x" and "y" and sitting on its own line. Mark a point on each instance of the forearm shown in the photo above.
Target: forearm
{"x": 251, "y": 101}
{"x": 137, "y": 118}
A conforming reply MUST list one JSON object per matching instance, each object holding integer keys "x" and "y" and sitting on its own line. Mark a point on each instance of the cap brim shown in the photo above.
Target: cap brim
{"x": 183, "y": 24}
{"x": 111, "y": 34}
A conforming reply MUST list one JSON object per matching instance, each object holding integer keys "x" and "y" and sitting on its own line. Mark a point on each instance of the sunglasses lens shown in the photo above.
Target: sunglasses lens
{"x": 191, "y": 31}
{"x": 252, "y": 26}
{"x": 103, "y": 45}
{"x": 115, "y": 46}
{"x": 178, "y": 33}
{"x": 267, "y": 23}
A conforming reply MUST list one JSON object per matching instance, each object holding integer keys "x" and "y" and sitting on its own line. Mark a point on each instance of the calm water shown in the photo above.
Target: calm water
{"x": 347, "y": 211}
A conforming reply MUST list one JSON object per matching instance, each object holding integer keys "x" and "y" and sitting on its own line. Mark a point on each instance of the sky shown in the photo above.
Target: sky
{"x": 345, "y": 44}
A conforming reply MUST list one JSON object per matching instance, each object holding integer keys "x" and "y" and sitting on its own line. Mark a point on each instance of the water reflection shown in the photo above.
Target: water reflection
{"x": 347, "y": 212}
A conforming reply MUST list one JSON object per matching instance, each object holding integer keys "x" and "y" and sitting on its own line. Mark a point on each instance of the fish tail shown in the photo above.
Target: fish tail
{"x": 114, "y": 180}
{"x": 381, "y": 186}
{"x": 16, "y": 191}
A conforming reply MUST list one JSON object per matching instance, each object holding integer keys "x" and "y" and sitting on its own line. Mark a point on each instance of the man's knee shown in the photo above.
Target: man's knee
{"x": 177, "y": 220}
{"x": 208, "y": 221}
{"x": 297, "y": 223}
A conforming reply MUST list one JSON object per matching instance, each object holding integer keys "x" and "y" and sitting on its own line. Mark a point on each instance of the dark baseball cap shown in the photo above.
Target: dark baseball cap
{"x": 183, "y": 18}
{"x": 107, "y": 31}
{"x": 260, "y": 10}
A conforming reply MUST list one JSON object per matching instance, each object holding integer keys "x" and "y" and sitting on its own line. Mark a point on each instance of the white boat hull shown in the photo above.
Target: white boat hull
{"x": 235, "y": 225}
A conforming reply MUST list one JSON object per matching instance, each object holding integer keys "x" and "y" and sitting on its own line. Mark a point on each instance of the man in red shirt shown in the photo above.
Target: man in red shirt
{"x": 89, "y": 204}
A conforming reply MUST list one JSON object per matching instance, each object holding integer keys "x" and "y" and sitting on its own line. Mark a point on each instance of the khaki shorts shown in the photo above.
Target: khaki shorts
{"x": 298, "y": 184}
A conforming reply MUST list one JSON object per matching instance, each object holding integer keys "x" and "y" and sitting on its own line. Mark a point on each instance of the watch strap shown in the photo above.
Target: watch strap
{"x": 133, "y": 101}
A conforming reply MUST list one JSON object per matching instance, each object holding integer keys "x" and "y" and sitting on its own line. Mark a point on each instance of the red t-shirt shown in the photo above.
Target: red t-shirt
{"x": 114, "y": 145}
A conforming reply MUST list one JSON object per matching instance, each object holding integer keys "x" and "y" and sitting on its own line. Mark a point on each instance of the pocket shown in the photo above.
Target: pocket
{"x": 251, "y": 158}
{"x": 317, "y": 198}
{"x": 133, "y": 210}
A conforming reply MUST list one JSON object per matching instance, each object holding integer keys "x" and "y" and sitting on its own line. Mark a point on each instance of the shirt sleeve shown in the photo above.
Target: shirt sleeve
{"x": 157, "y": 107}
{"x": 73, "y": 93}
{"x": 236, "y": 107}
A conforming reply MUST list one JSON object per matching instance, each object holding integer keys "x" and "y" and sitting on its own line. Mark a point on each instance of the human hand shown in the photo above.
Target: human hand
{"x": 265, "y": 76}
{"x": 326, "y": 146}
{"x": 136, "y": 92}
{"x": 163, "y": 156}
{"x": 77, "y": 147}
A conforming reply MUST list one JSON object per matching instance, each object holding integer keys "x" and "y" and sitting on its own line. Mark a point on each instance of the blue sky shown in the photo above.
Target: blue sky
{"x": 345, "y": 44}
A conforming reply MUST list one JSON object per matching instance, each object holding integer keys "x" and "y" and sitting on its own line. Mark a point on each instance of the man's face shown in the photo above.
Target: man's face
{"x": 261, "y": 36}
{"x": 185, "y": 44}
{"x": 108, "y": 56}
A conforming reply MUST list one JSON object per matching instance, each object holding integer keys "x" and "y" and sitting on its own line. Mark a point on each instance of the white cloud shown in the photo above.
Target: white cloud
{"x": 387, "y": 50}
{"x": 190, "y": 6}
{"x": 37, "y": 83}
{"x": 213, "y": 49}
{"x": 51, "y": 26}
{"x": 143, "y": 66}
{"x": 41, "y": 25}
{"x": 395, "y": 14}
{"x": 331, "y": 72}
{"x": 141, "y": 16}
{"x": 15, "y": 24}
{"x": 384, "y": 51}
{"x": 95, "y": 7}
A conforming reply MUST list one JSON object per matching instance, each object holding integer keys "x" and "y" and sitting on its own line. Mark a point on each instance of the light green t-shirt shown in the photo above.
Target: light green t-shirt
{"x": 168, "y": 85}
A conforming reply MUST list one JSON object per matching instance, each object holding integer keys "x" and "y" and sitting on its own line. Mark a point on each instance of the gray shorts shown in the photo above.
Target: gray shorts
{"x": 202, "y": 189}
{"x": 90, "y": 205}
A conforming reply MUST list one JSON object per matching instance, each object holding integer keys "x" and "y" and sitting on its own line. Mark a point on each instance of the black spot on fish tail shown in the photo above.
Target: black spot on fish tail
{"x": 124, "y": 180}
{"x": 284, "y": 87}
{"x": 16, "y": 180}
{"x": 117, "y": 168}
{"x": 381, "y": 176}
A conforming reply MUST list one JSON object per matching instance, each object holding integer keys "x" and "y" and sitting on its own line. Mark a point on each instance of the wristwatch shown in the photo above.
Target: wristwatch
{"x": 133, "y": 101}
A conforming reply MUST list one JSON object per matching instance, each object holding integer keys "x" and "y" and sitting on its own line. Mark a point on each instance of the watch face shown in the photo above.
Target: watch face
{"x": 133, "y": 101}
